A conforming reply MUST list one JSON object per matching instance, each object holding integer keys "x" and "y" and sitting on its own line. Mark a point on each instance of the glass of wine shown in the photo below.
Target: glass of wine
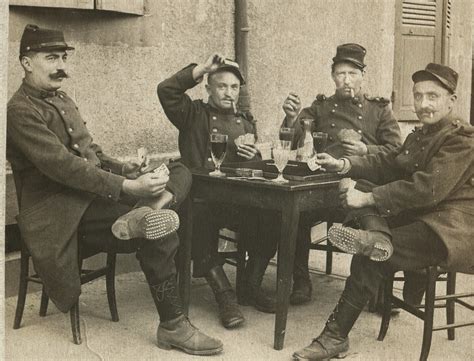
{"x": 281, "y": 156}
{"x": 218, "y": 150}
{"x": 320, "y": 140}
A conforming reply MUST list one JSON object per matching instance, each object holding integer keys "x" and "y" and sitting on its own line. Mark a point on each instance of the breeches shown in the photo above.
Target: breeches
{"x": 156, "y": 257}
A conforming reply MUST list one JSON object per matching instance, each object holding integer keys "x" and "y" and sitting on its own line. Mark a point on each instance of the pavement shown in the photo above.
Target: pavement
{"x": 133, "y": 337}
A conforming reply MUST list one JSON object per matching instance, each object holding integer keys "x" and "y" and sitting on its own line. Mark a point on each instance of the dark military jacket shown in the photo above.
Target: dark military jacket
{"x": 371, "y": 117}
{"x": 58, "y": 171}
{"x": 431, "y": 176}
{"x": 196, "y": 120}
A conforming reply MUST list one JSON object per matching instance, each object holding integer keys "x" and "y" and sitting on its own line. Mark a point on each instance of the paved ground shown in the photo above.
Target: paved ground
{"x": 133, "y": 338}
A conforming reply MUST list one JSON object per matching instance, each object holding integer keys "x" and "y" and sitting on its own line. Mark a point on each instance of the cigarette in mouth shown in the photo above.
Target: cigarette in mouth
{"x": 352, "y": 93}
{"x": 234, "y": 107}
{"x": 431, "y": 115}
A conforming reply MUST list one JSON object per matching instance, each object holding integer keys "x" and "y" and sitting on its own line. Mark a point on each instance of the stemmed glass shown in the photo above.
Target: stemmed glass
{"x": 218, "y": 150}
{"x": 281, "y": 156}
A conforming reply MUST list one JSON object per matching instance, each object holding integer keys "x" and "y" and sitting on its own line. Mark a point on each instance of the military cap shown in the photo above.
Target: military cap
{"x": 352, "y": 53}
{"x": 231, "y": 66}
{"x": 442, "y": 73}
{"x": 38, "y": 39}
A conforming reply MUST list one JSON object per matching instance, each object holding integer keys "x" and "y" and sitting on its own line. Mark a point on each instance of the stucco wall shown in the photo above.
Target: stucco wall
{"x": 119, "y": 59}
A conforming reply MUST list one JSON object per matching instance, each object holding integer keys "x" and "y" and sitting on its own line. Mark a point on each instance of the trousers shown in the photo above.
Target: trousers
{"x": 156, "y": 257}
{"x": 253, "y": 226}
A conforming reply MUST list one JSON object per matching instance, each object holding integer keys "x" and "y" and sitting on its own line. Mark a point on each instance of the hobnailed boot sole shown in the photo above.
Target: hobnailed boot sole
{"x": 341, "y": 355}
{"x": 168, "y": 346}
{"x": 348, "y": 240}
{"x": 154, "y": 225}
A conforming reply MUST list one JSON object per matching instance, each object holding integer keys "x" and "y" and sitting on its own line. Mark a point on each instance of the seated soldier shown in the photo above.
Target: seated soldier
{"x": 68, "y": 184}
{"x": 196, "y": 120}
{"x": 419, "y": 214}
{"x": 369, "y": 124}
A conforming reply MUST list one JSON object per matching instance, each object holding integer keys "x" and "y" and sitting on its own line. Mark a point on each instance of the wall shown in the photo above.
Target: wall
{"x": 119, "y": 59}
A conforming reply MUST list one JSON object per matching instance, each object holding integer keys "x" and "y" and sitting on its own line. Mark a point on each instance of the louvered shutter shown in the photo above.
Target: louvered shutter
{"x": 417, "y": 43}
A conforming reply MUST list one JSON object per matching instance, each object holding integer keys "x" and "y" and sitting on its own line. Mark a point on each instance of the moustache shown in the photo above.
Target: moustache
{"x": 59, "y": 74}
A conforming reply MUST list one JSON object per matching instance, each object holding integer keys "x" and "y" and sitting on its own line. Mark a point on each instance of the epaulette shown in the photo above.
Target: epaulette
{"x": 321, "y": 97}
{"x": 380, "y": 100}
{"x": 247, "y": 116}
{"x": 463, "y": 128}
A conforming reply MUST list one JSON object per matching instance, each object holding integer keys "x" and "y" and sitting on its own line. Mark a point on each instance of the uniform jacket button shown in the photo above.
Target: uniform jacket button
{"x": 333, "y": 125}
{"x": 331, "y": 138}
{"x": 359, "y": 117}
{"x": 76, "y": 146}
{"x": 422, "y": 148}
{"x": 70, "y": 130}
{"x": 61, "y": 96}
{"x": 85, "y": 159}
{"x": 416, "y": 165}
{"x": 214, "y": 117}
{"x": 333, "y": 110}
{"x": 238, "y": 121}
{"x": 359, "y": 105}
{"x": 359, "y": 131}
{"x": 63, "y": 112}
{"x": 214, "y": 130}
{"x": 407, "y": 151}
{"x": 336, "y": 105}
{"x": 209, "y": 159}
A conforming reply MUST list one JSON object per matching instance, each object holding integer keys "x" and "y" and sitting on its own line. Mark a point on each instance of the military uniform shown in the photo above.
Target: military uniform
{"x": 430, "y": 179}
{"x": 60, "y": 174}
{"x": 371, "y": 117}
{"x": 196, "y": 120}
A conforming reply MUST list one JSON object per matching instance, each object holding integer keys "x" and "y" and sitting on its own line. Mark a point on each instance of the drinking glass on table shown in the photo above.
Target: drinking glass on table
{"x": 320, "y": 140}
{"x": 280, "y": 158}
{"x": 218, "y": 150}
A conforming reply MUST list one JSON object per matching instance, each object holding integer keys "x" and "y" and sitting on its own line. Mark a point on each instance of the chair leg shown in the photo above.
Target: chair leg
{"x": 75, "y": 324}
{"x": 110, "y": 285}
{"x": 23, "y": 287}
{"x": 328, "y": 261}
{"x": 184, "y": 253}
{"x": 429, "y": 312}
{"x": 387, "y": 308}
{"x": 450, "y": 303}
{"x": 44, "y": 303}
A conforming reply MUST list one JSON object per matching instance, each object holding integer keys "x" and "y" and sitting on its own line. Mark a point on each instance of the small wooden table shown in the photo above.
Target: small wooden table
{"x": 289, "y": 199}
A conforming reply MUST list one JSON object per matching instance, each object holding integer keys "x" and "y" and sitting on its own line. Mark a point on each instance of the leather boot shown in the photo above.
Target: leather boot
{"x": 333, "y": 341}
{"x": 144, "y": 222}
{"x": 302, "y": 287}
{"x": 175, "y": 329}
{"x": 229, "y": 312}
{"x": 372, "y": 240}
{"x": 253, "y": 295}
{"x": 180, "y": 333}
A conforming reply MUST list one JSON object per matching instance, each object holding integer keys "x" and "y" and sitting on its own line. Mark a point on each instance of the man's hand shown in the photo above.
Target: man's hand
{"x": 354, "y": 147}
{"x": 211, "y": 64}
{"x": 131, "y": 170}
{"x": 328, "y": 163}
{"x": 352, "y": 198}
{"x": 247, "y": 151}
{"x": 147, "y": 185}
{"x": 291, "y": 107}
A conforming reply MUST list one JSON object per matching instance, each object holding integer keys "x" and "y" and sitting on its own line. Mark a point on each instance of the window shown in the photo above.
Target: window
{"x": 136, "y": 7}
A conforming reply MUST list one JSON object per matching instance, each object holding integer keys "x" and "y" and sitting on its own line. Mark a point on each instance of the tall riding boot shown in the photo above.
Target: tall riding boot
{"x": 333, "y": 341}
{"x": 372, "y": 240}
{"x": 253, "y": 295}
{"x": 175, "y": 329}
{"x": 229, "y": 312}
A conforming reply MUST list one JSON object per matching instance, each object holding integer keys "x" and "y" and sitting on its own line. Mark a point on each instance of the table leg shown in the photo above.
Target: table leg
{"x": 185, "y": 255}
{"x": 286, "y": 256}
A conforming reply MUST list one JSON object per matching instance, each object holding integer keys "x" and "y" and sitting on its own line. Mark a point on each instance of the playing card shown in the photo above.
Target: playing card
{"x": 162, "y": 170}
{"x": 312, "y": 164}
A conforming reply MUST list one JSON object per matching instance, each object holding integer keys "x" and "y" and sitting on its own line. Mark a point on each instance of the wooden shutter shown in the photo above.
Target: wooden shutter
{"x": 447, "y": 31}
{"x": 73, "y": 4}
{"x": 124, "y": 6}
{"x": 417, "y": 43}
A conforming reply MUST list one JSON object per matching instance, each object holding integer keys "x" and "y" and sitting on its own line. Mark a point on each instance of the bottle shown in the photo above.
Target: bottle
{"x": 305, "y": 148}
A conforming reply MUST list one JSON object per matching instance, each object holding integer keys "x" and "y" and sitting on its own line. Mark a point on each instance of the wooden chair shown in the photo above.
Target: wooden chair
{"x": 235, "y": 258}
{"x": 86, "y": 276}
{"x": 434, "y": 274}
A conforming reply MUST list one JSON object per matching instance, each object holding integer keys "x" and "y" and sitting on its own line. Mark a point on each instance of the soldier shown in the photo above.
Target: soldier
{"x": 370, "y": 117}
{"x": 196, "y": 120}
{"x": 424, "y": 191}
{"x": 67, "y": 185}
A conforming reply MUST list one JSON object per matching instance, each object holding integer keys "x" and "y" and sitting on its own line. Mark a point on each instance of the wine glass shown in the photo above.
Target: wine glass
{"x": 320, "y": 140}
{"x": 287, "y": 134}
{"x": 218, "y": 150}
{"x": 280, "y": 157}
